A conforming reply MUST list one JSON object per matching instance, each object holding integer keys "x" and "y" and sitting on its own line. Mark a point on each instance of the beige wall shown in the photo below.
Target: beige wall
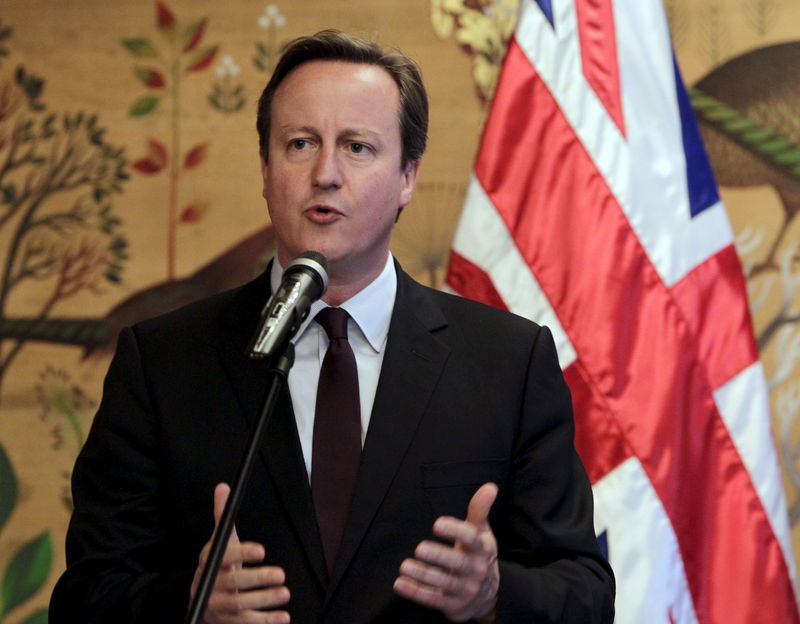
{"x": 48, "y": 392}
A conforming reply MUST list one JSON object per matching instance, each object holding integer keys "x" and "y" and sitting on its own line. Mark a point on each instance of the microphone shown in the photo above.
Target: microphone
{"x": 305, "y": 279}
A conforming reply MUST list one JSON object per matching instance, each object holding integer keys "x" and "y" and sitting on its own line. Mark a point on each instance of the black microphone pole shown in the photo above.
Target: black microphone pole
{"x": 305, "y": 280}
{"x": 198, "y": 606}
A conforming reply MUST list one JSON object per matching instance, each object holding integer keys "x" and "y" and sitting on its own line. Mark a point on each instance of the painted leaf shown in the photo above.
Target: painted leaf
{"x": 140, "y": 47}
{"x": 146, "y": 166}
{"x": 118, "y": 246}
{"x": 155, "y": 159}
{"x": 9, "y": 193}
{"x": 193, "y": 34}
{"x": 194, "y": 212}
{"x": 27, "y": 571}
{"x": 150, "y": 77}
{"x": 8, "y": 487}
{"x": 157, "y": 151}
{"x": 203, "y": 58}
{"x": 165, "y": 18}
{"x": 143, "y": 106}
{"x": 37, "y": 617}
{"x": 195, "y": 156}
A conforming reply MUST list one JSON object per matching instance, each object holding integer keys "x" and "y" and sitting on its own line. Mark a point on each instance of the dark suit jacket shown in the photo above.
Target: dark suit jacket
{"x": 467, "y": 394}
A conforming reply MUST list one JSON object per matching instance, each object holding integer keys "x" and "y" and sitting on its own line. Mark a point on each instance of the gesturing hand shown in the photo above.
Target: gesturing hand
{"x": 461, "y": 579}
{"x": 238, "y": 591}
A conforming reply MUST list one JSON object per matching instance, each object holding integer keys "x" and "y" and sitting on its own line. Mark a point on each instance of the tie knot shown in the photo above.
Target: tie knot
{"x": 334, "y": 322}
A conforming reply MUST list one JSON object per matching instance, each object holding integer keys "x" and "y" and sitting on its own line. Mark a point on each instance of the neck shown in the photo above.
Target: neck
{"x": 342, "y": 286}
{"x": 345, "y": 280}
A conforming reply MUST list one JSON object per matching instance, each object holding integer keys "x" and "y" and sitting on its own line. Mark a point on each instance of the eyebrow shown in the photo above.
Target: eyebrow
{"x": 361, "y": 132}
{"x": 288, "y": 128}
{"x": 364, "y": 133}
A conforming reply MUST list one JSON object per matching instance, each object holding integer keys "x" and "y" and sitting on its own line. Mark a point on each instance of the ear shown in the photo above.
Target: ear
{"x": 263, "y": 176}
{"x": 409, "y": 182}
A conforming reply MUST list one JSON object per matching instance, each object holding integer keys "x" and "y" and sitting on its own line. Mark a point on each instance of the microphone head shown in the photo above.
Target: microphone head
{"x": 315, "y": 264}
{"x": 316, "y": 257}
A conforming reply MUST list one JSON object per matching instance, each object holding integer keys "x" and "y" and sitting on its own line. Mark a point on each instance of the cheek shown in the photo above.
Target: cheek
{"x": 383, "y": 193}
{"x": 279, "y": 196}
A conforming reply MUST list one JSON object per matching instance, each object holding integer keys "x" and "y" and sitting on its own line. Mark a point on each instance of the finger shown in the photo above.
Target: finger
{"x": 267, "y": 598}
{"x": 251, "y": 617}
{"x": 221, "y": 493}
{"x": 460, "y": 532}
{"x": 245, "y": 616}
{"x": 430, "y": 576}
{"x": 243, "y": 579}
{"x": 425, "y": 595}
{"x": 453, "y": 560}
{"x": 480, "y": 505}
{"x": 236, "y": 555}
{"x": 242, "y": 602}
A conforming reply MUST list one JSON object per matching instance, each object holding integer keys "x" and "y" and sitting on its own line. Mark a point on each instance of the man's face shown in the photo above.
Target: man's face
{"x": 334, "y": 183}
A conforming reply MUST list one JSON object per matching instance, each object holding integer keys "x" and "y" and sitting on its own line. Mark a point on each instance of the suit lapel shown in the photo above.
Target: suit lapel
{"x": 281, "y": 451}
{"x": 411, "y": 367}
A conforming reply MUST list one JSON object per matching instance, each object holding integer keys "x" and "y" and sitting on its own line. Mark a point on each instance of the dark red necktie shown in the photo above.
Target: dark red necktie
{"x": 336, "y": 449}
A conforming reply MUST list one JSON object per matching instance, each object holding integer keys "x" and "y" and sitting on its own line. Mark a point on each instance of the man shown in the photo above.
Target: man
{"x": 468, "y": 503}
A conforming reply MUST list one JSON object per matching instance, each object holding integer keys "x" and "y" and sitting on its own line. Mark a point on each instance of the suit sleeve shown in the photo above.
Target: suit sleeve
{"x": 551, "y": 569}
{"x": 118, "y": 563}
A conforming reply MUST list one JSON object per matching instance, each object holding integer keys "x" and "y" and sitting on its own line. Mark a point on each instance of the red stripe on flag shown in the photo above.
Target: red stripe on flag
{"x": 711, "y": 297}
{"x": 470, "y": 280}
{"x": 599, "y": 54}
{"x": 632, "y": 338}
{"x": 598, "y": 439}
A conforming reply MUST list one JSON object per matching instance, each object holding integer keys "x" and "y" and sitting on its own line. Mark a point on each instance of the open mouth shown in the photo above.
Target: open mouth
{"x": 325, "y": 210}
{"x": 323, "y": 214}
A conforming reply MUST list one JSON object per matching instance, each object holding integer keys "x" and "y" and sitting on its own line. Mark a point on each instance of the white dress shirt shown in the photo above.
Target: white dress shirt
{"x": 370, "y": 313}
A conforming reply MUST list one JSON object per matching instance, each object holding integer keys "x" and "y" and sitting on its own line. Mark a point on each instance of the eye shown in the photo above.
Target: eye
{"x": 298, "y": 144}
{"x": 358, "y": 148}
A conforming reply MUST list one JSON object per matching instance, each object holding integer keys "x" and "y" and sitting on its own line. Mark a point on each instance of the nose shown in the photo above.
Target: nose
{"x": 327, "y": 170}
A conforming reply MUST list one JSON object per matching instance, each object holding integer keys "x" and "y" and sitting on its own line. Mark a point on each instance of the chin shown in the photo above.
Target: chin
{"x": 292, "y": 252}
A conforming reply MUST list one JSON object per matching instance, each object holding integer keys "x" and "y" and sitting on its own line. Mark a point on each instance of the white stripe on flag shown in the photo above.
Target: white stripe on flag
{"x": 743, "y": 401}
{"x": 653, "y": 196}
{"x": 631, "y": 514}
{"x": 556, "y": 57}
{"x": 658, "y": 204}
{"x": 483, "y": 238}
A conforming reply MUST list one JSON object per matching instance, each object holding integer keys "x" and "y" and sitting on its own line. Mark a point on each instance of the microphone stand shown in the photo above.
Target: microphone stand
{"x": 280, "y": 371}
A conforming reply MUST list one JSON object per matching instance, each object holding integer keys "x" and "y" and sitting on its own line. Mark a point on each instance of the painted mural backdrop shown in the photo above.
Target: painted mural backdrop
{"x": 129, "y": 185}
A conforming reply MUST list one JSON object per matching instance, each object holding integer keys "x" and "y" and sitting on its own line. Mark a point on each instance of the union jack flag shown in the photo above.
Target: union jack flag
{"x": 593, "y": 209}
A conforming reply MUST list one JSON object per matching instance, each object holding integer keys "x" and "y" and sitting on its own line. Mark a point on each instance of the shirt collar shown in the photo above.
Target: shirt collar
{"x": 370, "y": 308}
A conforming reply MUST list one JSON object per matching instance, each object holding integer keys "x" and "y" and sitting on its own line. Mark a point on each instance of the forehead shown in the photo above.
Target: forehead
{"x": 327, "y": 84}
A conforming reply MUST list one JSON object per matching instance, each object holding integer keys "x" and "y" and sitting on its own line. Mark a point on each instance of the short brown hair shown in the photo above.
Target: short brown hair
{"x": 333, "y": 45}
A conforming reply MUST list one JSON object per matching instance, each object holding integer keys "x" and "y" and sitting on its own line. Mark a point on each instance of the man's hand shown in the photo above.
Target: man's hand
{"x": 238, "y": 591}
{"x": 460, "y": 580}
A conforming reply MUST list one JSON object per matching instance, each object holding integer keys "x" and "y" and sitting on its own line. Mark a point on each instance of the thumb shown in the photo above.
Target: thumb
{"x": 480, "y": 504}
{"x": 221, "y": 493}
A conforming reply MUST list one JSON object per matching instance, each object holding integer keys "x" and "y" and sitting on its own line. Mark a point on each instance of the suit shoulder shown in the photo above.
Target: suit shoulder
{"x": 199, "y": 316}
{"x": 456, "y": 307}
